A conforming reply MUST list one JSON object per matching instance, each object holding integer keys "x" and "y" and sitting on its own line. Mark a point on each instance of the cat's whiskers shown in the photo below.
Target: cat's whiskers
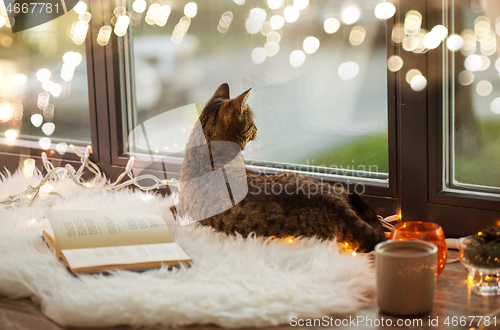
{"x": 261, "y": 147}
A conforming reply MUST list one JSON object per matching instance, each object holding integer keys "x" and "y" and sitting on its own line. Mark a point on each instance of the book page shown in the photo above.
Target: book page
{"x": 75, "y": 229}
{"x": 97, "y": 258}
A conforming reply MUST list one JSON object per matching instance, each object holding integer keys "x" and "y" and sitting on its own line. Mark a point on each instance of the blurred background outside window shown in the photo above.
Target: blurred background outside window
{"x": 317, "y": 69}
{"x": 43, "y": 83}
{"x": 475, "y": 93}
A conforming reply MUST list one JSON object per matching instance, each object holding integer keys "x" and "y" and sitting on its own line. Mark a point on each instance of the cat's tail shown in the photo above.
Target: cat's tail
{"x": 365, "y": 212}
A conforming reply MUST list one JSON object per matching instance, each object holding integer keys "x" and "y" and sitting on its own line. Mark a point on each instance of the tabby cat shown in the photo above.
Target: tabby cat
{"x": 292, "y": 210}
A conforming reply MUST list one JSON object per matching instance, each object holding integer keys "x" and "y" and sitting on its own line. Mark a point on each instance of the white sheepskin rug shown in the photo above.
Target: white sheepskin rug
{"x": 234, "y": 282}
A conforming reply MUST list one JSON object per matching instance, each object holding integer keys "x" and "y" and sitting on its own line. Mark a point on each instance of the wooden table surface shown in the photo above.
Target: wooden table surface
{"x": 453, "y": 299}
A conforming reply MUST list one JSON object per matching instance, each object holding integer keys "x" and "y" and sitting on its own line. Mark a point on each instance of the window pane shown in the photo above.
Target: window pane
{"x": 475, "y": 96}
{"x": 43, "y": 84}
{"x": 317, "y": 70}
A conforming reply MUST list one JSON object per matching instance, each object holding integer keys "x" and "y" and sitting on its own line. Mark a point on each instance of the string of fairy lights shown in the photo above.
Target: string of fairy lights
{"x": 45, "y": 187}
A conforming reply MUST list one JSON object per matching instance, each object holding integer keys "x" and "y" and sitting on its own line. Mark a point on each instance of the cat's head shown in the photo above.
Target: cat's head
{"x": 226, "y": 119}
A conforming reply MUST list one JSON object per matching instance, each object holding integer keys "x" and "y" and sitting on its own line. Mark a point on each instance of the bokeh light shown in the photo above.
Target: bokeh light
{"x": 331, "y": 25}
{"x": 418, "y": 83}
{"x": 80, "y": 7}
{"x": 350, "y": 14}
{"x": 310, "y": 45}
{"x": 465, "y": 78}
{"x": 48, "y": 128}
{"x": 20, "y": 79}
{"x": 45, "y": 143}
{"x": 348, "y": 70}
{"x": 410, "y": 74}
{"x": 259, "y": 55}
{"x": 454, "y": 42}
{"x": 398, "y": 33}
{"x": 274, "y": 4}
{"x": 271, "y": 49}
{"x": 484, "y": 88}
{"x": 300, "y": 4}
{"x": 191, "y": 9}
{"x": 384, "y": 10}
{"x": 297, "y": 58}
{"x": 495, "y": 106}
{"x": 357, "y": 35}
{"x": 291, "y": 14}
{"x": 258, "y": 14}
{"x": 413, "y": 22}
{"x": 11, "y": 134}
{"x": 62, "y": 147}
{"x": 6, "y": 112}
{"x": 473, "y": 62}
{"x": 139, "y": 6}
{"x": 277, "y": 22}
{"x": 122, "y": 25}
{"x": 273, "y": 38}
{"x": 486, "y": 62}
{"x": 43, "y": 75}
{"x": 36, "y": 120}
{"x": 394, "y": 63}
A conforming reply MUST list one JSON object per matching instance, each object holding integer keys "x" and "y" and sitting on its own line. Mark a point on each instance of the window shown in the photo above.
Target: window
{"x": 44, "y": 101}
{"x": 474, "y": 107}
{"x": 317, "y": 72}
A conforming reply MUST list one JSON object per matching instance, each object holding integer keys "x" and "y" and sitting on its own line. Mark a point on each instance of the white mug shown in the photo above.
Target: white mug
{"x": 406, "y": 277}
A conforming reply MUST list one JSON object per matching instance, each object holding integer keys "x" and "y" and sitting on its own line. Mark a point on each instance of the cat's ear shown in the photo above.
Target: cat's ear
{"x": 222, "y": 92}
{"x": 238, "y": 102}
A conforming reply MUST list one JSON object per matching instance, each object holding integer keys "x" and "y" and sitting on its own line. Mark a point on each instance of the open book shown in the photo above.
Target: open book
{"x": 99, "y": 241}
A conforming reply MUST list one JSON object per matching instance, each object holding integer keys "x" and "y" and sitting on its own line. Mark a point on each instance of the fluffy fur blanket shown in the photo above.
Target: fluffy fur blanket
{"x": 234, "y": 282}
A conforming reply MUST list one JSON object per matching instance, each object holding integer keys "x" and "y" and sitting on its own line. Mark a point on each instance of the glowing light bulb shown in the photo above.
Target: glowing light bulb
{"x": 29, "y": 167}
{"x": 130, "y": 164}
{"x": 45, "y": 190}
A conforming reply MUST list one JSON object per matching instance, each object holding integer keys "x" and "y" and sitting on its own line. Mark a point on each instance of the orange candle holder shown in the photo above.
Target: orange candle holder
{"x": 423, "y": 231}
